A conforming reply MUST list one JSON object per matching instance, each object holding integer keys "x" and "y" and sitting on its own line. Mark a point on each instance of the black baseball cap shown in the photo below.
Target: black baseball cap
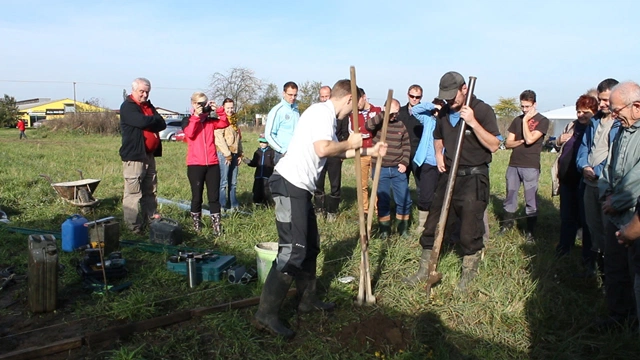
{"x": 449, "y": 85}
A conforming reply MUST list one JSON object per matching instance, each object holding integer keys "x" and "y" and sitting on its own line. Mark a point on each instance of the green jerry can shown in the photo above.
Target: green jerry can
{"x": 43, "y": 273}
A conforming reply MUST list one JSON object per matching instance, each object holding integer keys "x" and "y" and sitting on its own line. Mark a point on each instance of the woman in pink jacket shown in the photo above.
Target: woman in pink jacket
{"x": 202, "y": 160}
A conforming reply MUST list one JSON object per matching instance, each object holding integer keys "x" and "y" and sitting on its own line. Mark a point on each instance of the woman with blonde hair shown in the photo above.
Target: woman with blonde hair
{"x": 203, "y": 165}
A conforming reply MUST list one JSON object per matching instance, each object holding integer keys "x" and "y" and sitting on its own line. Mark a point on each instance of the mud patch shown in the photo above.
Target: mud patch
{"x": 376, "y": 333}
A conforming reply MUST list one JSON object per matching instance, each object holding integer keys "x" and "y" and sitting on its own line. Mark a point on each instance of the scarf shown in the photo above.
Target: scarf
{"x": 233, "y": 122}
{"x": 151, "y": 139}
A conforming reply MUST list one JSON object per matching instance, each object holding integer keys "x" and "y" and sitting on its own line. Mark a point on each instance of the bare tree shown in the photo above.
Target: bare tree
{"x": 239, "y": 84}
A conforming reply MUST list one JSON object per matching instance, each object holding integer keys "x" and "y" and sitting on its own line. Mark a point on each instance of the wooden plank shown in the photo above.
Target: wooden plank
{"x": 35, "y": 352}
{"x": 117, "y": 332}
{"x": 121, "y": 331}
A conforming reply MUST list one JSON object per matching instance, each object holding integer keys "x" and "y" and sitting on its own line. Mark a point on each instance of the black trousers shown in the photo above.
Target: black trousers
{"x": 619, "y": 276}
{"x": 468, "y": 203}
{"x": 427, "y": 183}
{"x": 261, "y": 191}
{"x": 199, "y": 175}
{"x": 298, "y": 238}
{"x": 333, "y": 167}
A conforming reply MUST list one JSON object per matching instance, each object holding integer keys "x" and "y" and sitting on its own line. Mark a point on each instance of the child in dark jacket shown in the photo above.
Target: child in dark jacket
{"x": 264, "y": 162}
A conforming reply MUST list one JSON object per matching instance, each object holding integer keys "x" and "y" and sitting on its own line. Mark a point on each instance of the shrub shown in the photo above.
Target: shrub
{"x": 101, "y": 123}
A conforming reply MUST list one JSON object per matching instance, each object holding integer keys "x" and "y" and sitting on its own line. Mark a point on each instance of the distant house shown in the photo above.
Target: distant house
{"x": 169, "y": 114}
{"x": 32, "y": 110}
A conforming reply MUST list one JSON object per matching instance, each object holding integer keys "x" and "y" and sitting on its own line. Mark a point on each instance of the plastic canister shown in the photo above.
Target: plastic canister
{"x": 267, "y": 252}
{"x": 74, "y": 233}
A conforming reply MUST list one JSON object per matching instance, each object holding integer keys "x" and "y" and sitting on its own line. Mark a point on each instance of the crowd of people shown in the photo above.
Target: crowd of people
{"x": 596, "y": 175}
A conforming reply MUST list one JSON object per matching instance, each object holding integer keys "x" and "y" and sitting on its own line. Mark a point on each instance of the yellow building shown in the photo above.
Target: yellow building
{"x": 37, "y": 109}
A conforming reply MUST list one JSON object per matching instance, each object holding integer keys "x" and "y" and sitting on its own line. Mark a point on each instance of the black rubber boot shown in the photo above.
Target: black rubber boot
{"x": 306, "y": 294}
{"x": 423, "y": 270}
{"x": 216, "y": 224}
{"x": 470, "y": 264}
{"x": 531, "y": 225}
{"x": 507, "y": 222}
{"x": 197, "y": 224}
{"x": 332, "y": 204}
{"x": 384, "y": 229}
{"x": 403, "y": 228}
{"x": 318, "y": 204}
{"x": 274, "y": 291}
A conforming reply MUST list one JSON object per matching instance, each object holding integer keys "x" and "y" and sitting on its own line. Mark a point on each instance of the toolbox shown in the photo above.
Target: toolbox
{"x": 207, "y": 269}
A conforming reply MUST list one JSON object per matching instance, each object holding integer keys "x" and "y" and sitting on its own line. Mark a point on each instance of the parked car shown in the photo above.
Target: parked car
{"x": 180, "y": 136}
{"x": 37, "y": 124}
{"x": 173, "y": 126}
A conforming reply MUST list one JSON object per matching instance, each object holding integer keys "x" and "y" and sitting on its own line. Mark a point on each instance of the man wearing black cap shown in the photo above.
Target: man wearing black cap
{"x": 471, "y": 190}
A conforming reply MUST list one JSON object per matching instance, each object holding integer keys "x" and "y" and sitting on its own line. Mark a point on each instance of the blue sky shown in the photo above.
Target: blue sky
{"x": 557, "y": 48}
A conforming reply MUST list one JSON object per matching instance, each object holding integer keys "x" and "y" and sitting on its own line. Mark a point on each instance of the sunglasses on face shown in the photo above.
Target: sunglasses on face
{"x": 417, "y": 97}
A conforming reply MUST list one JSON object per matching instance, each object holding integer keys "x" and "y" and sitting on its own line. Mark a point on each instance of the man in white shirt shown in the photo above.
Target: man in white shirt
{"x": 292, "y": 185}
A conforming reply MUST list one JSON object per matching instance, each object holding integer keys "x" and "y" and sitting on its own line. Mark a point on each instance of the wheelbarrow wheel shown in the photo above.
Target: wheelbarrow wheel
{"x": 84, "y": 196}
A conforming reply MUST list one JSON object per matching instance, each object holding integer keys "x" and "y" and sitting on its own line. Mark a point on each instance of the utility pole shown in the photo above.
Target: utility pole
{"x": 75, "y": 109}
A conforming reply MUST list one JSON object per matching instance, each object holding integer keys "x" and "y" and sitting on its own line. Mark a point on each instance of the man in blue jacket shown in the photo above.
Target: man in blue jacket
{"x": 592, "y": 156}
{"x": 282, "y": 121}
{"x": 619, "y": 188}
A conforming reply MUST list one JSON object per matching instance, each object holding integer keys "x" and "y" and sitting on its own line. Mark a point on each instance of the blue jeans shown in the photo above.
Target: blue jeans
{"x": 228, "y": 180}
{"x": 393, "y": 180}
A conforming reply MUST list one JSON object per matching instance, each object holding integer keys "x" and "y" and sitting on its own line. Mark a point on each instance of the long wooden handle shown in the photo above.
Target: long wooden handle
{"x": 444, "y": 212}
{"x": 363, "y": 235}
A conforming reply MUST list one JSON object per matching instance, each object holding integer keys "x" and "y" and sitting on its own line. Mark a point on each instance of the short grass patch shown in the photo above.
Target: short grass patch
{"x": 525, "y": 304}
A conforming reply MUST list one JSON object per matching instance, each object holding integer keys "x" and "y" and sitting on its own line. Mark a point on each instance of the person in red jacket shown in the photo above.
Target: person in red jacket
{"x": 366, "y": 111}
{"x": 202, "y": 159}
{"x": 20, "y": 127}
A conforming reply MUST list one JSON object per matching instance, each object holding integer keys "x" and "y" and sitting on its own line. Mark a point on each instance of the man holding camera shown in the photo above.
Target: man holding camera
{"x": 139, "y": 124}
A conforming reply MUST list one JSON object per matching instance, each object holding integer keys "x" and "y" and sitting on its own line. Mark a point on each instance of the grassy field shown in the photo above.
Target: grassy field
{"x": 524, "y": 304}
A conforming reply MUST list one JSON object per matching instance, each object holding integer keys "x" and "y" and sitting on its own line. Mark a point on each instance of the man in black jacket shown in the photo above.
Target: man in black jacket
{"x": 471, "y": 190}
{"x": 413, "y": 126}
{"x": 329, "y": 204}
{"x": 139, "y": 124}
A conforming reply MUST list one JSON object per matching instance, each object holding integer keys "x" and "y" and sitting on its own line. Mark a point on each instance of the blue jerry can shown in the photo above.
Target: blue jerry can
{"x": 74, "y": 233}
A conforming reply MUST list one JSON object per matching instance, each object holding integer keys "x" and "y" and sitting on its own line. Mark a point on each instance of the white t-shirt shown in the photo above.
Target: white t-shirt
{"x": 301, "y": 165}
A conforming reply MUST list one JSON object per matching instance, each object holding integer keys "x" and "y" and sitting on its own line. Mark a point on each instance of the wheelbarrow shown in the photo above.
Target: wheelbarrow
{"x": 78, "y": 193}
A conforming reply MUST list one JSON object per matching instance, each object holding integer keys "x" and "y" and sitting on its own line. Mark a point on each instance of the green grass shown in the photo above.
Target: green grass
{"x": 524, "y": 304}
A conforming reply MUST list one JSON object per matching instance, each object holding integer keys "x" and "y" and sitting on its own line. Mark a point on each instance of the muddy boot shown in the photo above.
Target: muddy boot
{"x": 531, "y": 225}
{"x": 470, "y": 264}
{"x": 403, "y": 228}
{"x": 318, "y": 204}
{"x": 306, "y": 294}
{"x": 197, "y": 224}
{"x": 422, "y": 219}
{"x": 384, "y": 229}
{"x": 507, "y": 222}
{"x": 332, "y": 205}
{"x": 216, "y": 225}
{"x": 423, "y": 271}
{"x": 274, "y": 291}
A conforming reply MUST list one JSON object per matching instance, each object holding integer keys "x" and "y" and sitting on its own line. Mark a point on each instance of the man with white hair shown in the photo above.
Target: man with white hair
{"x": 139, "y": 124}
{"x": 619, "y": 188}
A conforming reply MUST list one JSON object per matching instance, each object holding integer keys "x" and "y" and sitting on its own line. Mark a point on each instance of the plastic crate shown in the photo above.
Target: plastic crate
{"x": 209, "y": 269}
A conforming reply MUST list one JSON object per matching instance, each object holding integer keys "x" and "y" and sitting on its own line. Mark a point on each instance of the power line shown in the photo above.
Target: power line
{"x": 92, "y": 83}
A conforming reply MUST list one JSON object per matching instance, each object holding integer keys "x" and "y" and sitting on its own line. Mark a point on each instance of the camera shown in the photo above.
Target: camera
{"x": 206, "y": 108}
